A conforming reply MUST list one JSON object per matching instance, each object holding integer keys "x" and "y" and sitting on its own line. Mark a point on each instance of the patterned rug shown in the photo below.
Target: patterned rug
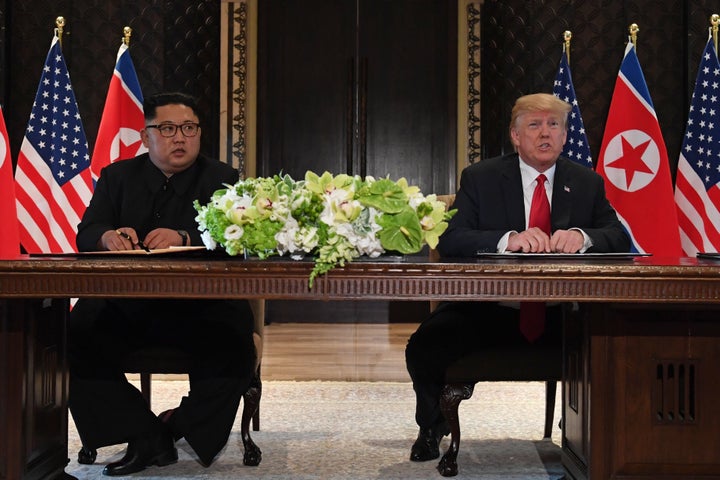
{"x": 362, "y": 430}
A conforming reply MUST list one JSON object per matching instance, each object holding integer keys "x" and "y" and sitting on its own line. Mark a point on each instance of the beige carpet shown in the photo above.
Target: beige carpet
{"x": 363, "y": 430}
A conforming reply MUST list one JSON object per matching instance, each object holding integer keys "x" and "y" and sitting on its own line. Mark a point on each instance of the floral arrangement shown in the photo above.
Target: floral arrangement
{"x": 335, "y": 218}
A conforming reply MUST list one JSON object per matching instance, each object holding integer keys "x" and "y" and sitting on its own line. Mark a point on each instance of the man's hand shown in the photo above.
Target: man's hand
{"x": 124, "y": 238}
{"x": 567, "y": 241}
{"x": 534, "y": 240}
{"x": 162, "y": 238}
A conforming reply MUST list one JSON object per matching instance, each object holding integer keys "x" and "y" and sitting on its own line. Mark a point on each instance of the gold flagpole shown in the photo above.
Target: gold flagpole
{"x": 127, "y": 32}
{"x": 634, "y": 29}
{"x": 567, "y": 36}
{"x": 60, "y": 24}
{"x": 714, "y": 21}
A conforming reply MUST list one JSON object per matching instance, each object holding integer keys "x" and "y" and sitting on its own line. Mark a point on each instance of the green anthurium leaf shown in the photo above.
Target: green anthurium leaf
{"x": 385, "y": 195}
{"x": 401, "y": 232}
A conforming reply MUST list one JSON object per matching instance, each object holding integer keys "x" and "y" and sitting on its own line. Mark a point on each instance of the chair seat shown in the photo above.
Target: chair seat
{"x": 522, "y": 363}
{"x": 157, "y": 360}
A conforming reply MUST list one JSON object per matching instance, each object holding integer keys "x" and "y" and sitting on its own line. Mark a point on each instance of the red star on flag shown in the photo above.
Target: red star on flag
{"x": 631, "y": 160}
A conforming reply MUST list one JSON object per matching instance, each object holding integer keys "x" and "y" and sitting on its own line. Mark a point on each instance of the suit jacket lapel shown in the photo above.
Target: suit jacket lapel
{"x": 513, "y": 193}
{"x": 562, "y": 197}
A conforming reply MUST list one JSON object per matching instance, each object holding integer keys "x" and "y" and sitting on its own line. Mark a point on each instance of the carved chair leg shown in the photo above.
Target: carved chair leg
{"x": 251, "y": 405}
{"x": 550, "y": 391}
{"x": 87, "y": 456}
{"x": 145, "y": 386}
{"x": 451, "y": 396}
{"x": 256, "y": 420}
{"x": 256, "y": 416}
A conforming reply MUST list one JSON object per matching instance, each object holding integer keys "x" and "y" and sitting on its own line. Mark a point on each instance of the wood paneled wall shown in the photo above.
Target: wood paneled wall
{"x": 176, "y": 45}
{"x": 522, "y": 44}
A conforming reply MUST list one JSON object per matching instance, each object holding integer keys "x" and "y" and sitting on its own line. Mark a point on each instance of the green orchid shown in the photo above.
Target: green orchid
{"x": 346, "y": 211}
{"x": 409, "y": 190}
{"x": 434, "y": 220}
{"x": 241, "y": 214}
{"x": 327, "y": 182}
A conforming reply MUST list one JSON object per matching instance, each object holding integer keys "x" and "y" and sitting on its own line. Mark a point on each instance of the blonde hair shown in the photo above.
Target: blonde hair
{"x": 539, "y": 102}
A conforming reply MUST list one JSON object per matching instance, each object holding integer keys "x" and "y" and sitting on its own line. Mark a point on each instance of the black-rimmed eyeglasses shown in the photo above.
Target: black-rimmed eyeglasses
{"x": 170, "y": 129}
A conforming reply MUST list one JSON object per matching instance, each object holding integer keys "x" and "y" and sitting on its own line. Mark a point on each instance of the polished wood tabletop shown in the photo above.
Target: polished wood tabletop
{"x": 564, "y": 278}
{"x": 643, "y": 312}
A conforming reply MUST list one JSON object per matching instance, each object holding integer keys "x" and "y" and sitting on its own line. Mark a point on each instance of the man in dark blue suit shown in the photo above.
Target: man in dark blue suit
{"x": 493, "y": 215}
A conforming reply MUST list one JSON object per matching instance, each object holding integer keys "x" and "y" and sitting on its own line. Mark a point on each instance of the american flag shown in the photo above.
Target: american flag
{"x": 122, "y": 119}
{"x": 52, "y": 177}
{"x": 576, "y": 147}
{"x": 697, "y": 188}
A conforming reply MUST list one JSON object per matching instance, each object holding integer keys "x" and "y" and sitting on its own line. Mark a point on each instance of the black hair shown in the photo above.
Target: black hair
{"x": 150, "y": 104}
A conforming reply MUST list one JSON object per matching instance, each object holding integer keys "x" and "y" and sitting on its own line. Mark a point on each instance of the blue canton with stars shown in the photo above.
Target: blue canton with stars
{"x": 576, "y": 147}
{"x": 701, "y": 145}
{"x": 55, "y": 129}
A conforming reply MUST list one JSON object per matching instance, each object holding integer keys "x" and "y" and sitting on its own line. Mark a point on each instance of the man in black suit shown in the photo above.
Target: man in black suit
{"x": 148, "y": 201}
{"x": 493, "y": 213}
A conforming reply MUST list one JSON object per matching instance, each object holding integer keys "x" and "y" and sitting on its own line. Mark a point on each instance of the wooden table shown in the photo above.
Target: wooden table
{"x": 646, "y": 341}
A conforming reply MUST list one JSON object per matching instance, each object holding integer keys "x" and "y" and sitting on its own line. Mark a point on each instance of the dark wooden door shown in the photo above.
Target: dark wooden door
{"x": 364, "y": 87}
{"x": 407, "y": 79}
{"x": 305, "y": 65}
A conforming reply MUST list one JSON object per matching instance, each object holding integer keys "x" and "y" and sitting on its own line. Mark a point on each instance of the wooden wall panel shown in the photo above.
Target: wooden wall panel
{"x": 174, "y": 46}
{"x": 521, "y": 47}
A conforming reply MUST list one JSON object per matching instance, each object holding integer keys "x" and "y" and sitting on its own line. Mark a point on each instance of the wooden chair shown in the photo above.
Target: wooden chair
{"x": 500, "y": 364}
{"x": 164, "y": 360}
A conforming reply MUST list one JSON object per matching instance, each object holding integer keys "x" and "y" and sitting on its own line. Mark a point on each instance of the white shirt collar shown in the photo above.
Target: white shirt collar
{"x": 529, "y": 175}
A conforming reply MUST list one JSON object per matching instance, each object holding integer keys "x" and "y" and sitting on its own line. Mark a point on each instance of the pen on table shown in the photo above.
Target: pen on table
{"x": 127, "y": 237}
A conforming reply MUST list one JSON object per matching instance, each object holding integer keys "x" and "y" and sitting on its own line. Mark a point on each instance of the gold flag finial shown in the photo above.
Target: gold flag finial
{"x": 567, "y": 36}
{"x": 127, "y": 32}
{"x": 634, "y": 29}
{"x": 714, "y": 21}
{"x": 60, "y": 24}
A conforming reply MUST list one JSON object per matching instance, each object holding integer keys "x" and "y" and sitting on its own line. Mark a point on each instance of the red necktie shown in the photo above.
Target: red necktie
{"x": 532, "y": 314}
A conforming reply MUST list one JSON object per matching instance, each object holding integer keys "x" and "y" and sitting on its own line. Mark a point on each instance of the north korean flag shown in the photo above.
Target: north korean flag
{"x": 634, "y": 162}
{"x": 122, "y": 119}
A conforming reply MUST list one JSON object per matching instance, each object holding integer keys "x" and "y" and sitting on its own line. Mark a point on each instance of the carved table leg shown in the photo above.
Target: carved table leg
{"x": 251, "y": 400}
{"x": 450, "y": 398}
